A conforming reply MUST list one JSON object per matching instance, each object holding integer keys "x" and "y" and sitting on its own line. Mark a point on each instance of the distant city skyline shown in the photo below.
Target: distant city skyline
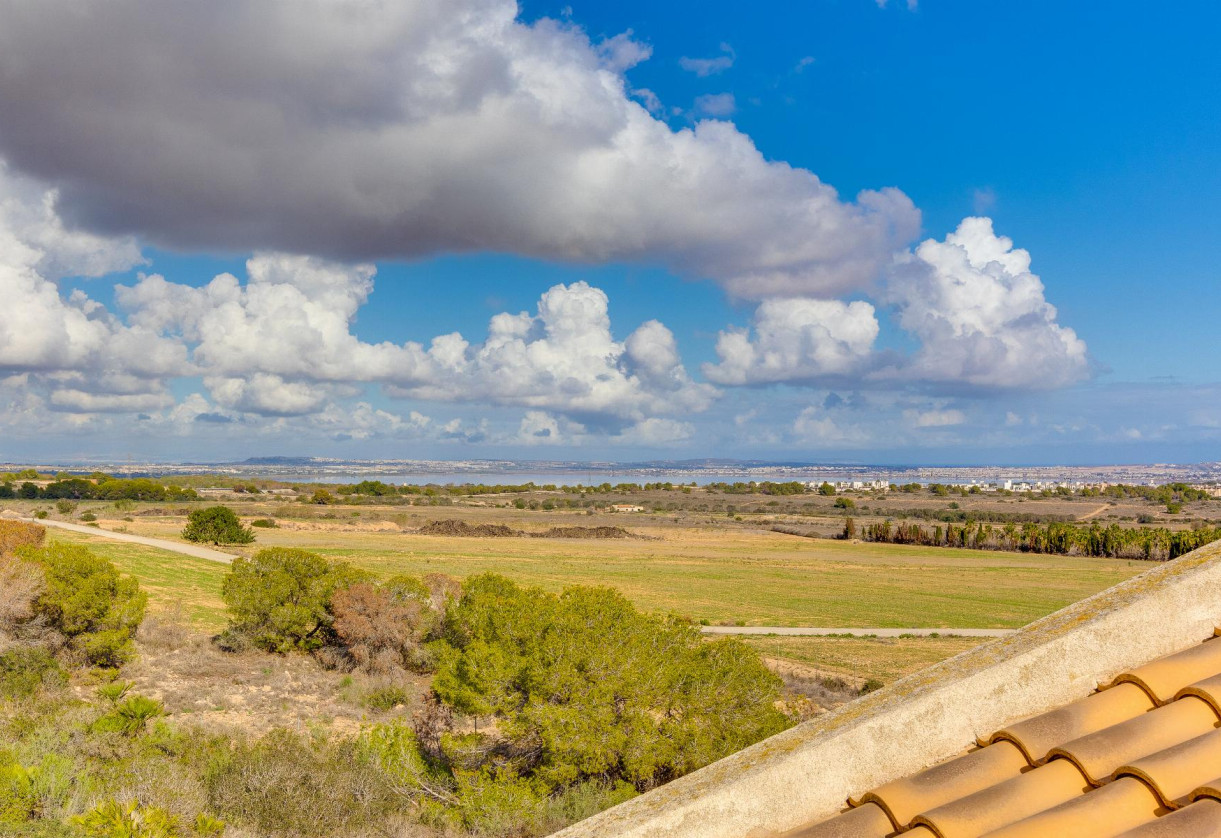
{"x": 851, "y": 231}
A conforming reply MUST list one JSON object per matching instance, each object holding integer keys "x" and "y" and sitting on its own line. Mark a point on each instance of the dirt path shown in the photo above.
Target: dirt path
{"x": 160, "y": 543}
{"x": 1087, "y": 516}
{"x": 802, "y": 631}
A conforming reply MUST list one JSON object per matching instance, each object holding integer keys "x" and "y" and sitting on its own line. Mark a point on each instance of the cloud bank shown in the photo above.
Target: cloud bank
{"x": 246, "y": 125}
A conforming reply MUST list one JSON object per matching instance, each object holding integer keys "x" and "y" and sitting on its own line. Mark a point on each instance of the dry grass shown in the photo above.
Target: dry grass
{"x": 253, "y": 691}
{"x": 858, "y": 659}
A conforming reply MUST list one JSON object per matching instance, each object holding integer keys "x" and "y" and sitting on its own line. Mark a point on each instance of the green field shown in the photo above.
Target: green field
{"x": 751, "y": 577}
{"x": 171, "y": 579}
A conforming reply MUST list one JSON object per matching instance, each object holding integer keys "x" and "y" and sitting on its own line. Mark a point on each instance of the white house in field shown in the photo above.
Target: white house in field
{"x": 625, "y": 507}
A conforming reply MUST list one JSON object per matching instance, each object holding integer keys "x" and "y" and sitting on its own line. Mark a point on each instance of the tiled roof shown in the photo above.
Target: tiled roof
{"x": 1140, "y": 758}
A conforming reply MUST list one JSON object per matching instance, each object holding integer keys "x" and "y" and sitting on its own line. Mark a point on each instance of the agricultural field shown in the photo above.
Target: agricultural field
{"x": 711, "y": 570}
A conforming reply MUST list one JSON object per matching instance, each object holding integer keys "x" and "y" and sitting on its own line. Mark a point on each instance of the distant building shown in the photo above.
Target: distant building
{"x": 626, "y": 507}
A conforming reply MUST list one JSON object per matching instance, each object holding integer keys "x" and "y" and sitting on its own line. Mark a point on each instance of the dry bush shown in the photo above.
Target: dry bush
{"x": 826, "y": 692}
{"x": 379, "y": 631}
{"x": 166, "y": 629}
{"x": 442, "y": 591}
{"x": 286, "y": 785}
{"x": 15, "y": 534}
{"x": 20, "y": 584}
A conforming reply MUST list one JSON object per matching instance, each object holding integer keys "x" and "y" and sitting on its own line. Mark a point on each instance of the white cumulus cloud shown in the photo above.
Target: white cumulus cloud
{"x": 796, "y": 340}
{"x": 981, "y": 316}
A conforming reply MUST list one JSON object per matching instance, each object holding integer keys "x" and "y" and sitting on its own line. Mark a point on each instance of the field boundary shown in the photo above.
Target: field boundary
{"x": 806, "y": 631}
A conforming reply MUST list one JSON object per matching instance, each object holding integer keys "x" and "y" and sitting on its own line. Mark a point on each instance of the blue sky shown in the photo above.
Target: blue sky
{"x": 636, "y": 177}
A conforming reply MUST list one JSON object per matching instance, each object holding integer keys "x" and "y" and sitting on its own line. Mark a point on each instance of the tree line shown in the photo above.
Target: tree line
{"x": 1114, "y": 541}
{"x": 99, "y": 488}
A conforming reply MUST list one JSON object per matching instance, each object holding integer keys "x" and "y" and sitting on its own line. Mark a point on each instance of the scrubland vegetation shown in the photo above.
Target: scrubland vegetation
{"x": 539, "y": 708}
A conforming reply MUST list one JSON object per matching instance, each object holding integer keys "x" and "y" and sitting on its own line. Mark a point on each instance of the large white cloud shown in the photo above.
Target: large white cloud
{"x": 977, "y": 314}
{"x": 46, "y": 332}
{"x": 361, "y": 130}
{"x": 981, "y": 316}
{"x": 797, "y": 340}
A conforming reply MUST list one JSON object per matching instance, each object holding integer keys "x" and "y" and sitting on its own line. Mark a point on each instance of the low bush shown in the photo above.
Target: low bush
{"x": 386, "y": 697}
{"x": 24, "y": 670}
{"x": 381, "y": 627}
{"x": 280, "y": 599}
{"x": 130, "y": 717}
{"x": 87, "y": 600}
{"x": 285, "y": 785}
{"x": 18, "y": 534}
{"x": 216, "y": 525}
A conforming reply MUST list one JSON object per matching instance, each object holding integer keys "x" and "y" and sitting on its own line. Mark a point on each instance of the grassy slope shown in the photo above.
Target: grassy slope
{"x": 170, "y": 579}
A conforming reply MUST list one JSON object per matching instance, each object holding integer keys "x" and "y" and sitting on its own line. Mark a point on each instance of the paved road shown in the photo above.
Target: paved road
{"x": 790, "y": 631}
{"x": 161, "y": 543}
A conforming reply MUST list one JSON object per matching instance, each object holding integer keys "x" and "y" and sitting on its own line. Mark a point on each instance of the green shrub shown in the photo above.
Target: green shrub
{"x": 216, "y": 525}
{"x": 280, "y": 599}
{"x": 131, "y": 716}
{"x": 115, "y": 691}
{"x": 584, "y": 686}
{"x": 64, "y": 507}
{"x": 386, "y": 698}
{"x": 264, "y": 523}
{"x": 88, "y": 517}
{"x": 117, "y": 820}
{"x": 18, "y": 802}
{"x": 87, "y": 600}
{"x": 33, "y": 792}
{"x": 26, "y": 669}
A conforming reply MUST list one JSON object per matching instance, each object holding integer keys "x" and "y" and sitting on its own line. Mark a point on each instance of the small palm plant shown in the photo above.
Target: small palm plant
{"x": 136, "y": 712}
{"x": 115, "y": 691}
{"x": 113, "y": 819}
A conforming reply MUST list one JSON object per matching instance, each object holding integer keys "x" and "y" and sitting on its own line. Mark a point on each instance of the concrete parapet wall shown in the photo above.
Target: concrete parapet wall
{"x": 805, "y": 773}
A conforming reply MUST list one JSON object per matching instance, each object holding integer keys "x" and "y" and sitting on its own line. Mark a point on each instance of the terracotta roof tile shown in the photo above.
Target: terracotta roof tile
{"x": 1199, "y": 820}
{"x": 1037, "y": 736}
{"x": 867, "y": 821}
{"x": 1166, "y": 676}
{"x": 1212, "y": 789}
{"x": 1111, "y": 810}
{"x": 907, "y": 797}
{"x": 1008, "y": 802}
{"x": 1209, "y": 689}
{"x": 1177, "y": 771}
{"x": 1133, "y": 759}
{"x": 1099, "y": 754}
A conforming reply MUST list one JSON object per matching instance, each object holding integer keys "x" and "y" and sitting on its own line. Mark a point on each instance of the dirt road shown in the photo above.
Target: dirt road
{"x": 160, "y": 543}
